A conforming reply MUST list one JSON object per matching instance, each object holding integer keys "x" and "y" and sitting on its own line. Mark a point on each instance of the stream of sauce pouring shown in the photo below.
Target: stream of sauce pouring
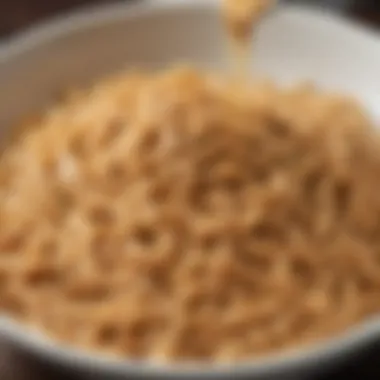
{"x": 241, "y": 18}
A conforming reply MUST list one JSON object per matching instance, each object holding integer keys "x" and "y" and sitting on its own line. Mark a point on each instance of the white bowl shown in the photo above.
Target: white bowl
{"x": 294, "y": 44}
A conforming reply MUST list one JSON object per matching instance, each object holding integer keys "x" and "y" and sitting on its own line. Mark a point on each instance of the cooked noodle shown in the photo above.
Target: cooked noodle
{"x": 177, "y": 216}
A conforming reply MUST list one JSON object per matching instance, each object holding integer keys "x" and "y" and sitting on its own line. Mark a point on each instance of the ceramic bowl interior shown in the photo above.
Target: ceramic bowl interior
{"x": 293, "y": 45}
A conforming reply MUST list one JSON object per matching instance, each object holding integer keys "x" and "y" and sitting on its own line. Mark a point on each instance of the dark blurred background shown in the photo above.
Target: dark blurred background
{"x": 16, "y": 15}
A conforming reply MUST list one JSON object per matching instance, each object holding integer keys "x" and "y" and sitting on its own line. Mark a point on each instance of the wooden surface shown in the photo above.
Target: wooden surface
{"x": 18, "y": 14}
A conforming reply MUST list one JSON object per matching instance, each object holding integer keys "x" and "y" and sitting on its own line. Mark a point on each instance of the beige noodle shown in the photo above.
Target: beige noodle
{"x": 241, "y": 19}
{"x": 176, "y": 216}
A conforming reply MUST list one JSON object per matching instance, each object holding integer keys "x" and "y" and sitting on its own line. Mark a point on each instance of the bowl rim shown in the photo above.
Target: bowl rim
{"x": 35, "y": 342}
